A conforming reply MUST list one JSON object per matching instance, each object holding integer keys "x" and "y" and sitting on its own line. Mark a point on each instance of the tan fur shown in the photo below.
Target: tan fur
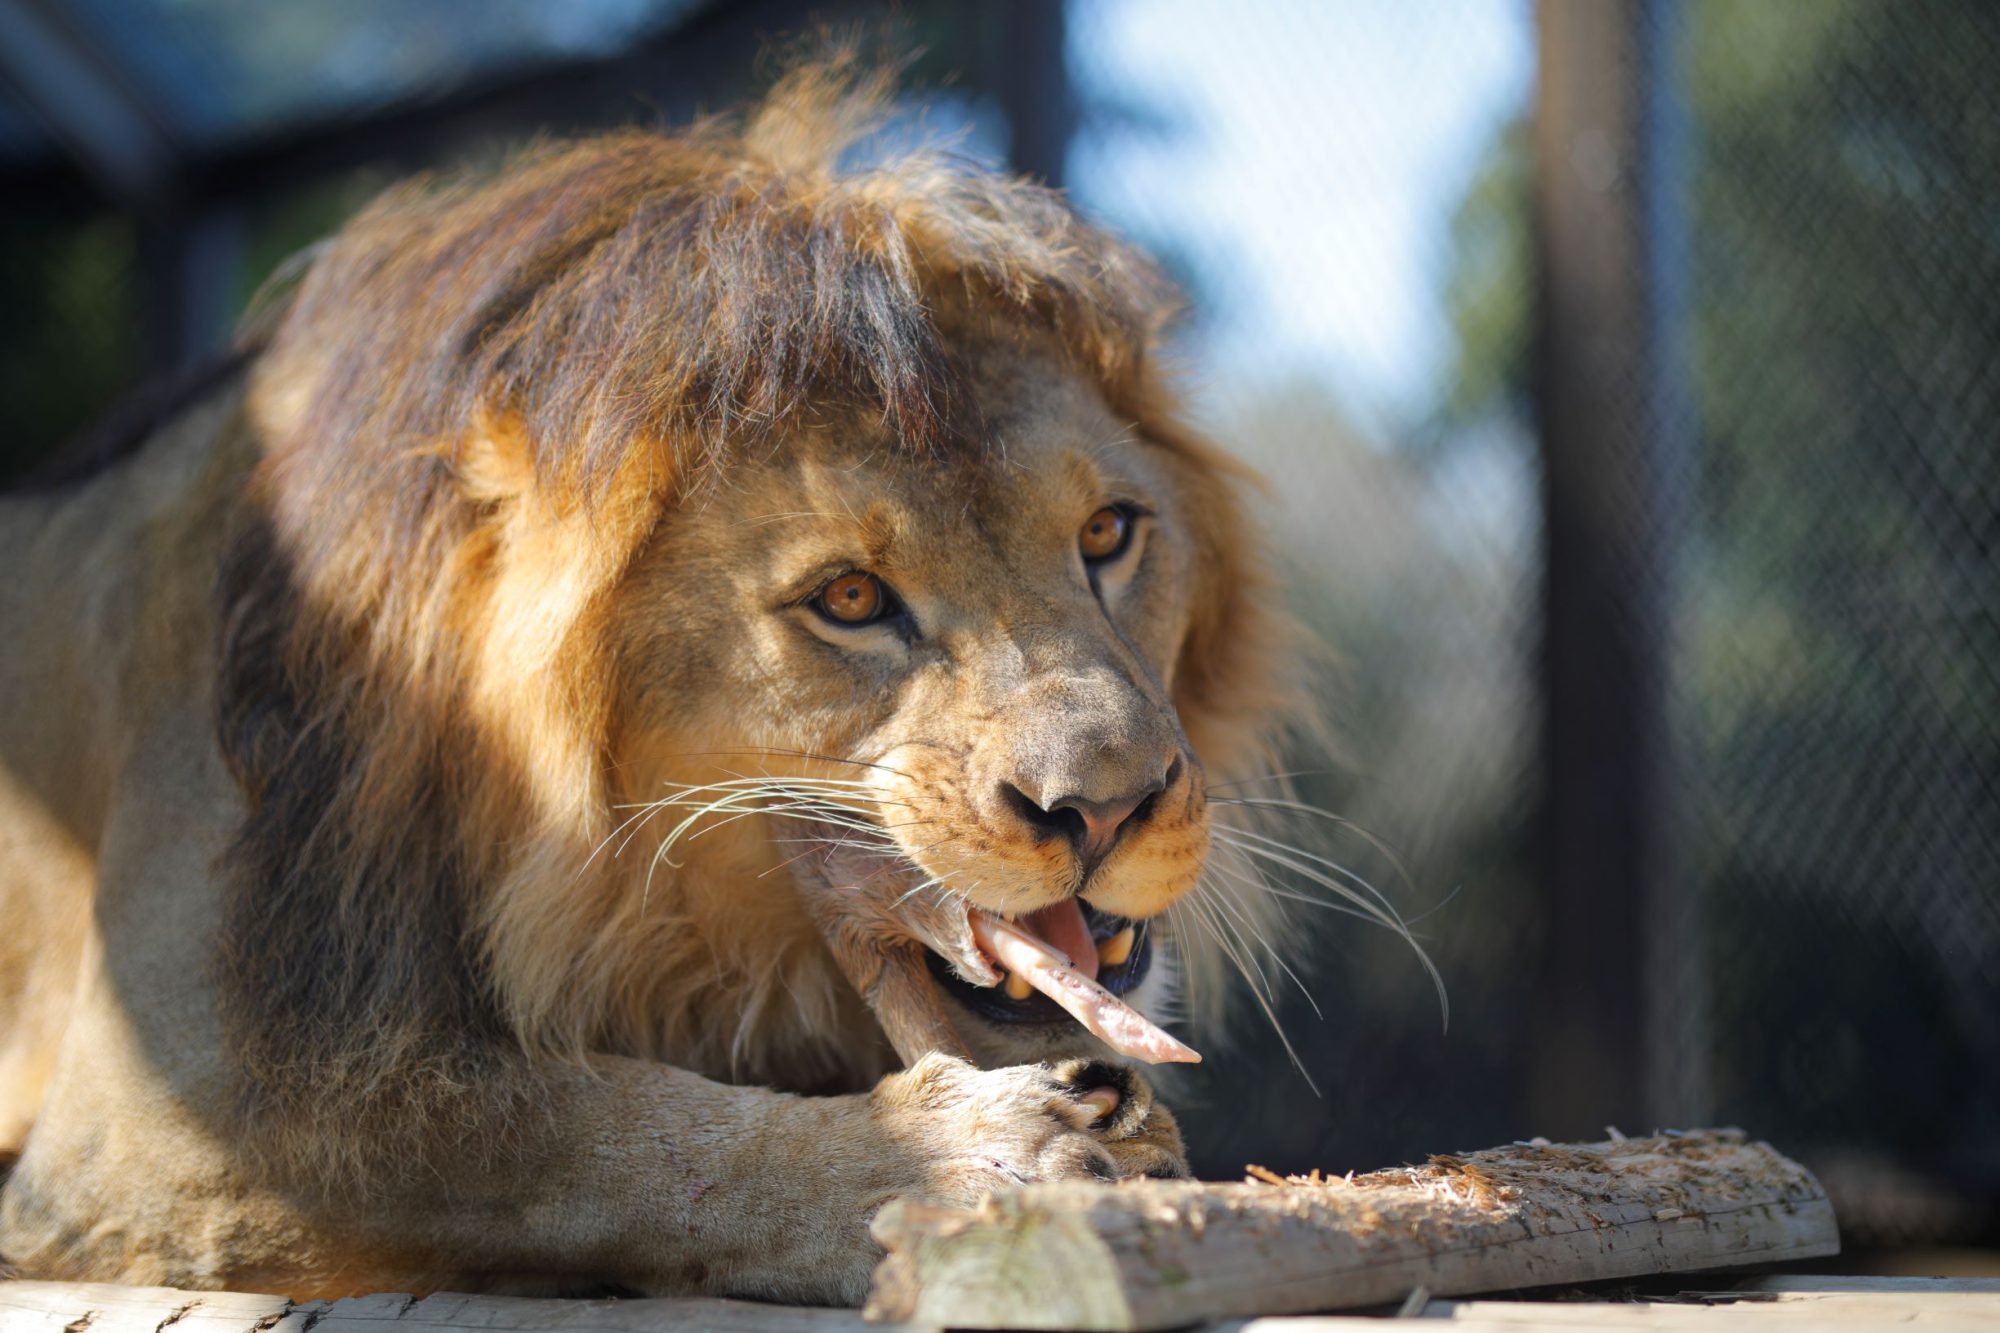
{"x": 347, "y": 952}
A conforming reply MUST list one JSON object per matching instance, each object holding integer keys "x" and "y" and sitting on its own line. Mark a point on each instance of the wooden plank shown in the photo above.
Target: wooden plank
{"x": 1793, "y": 1304}
{"x": 51, "y": 1307}
{"x": 1166, "y": 1254}
{"x": 458, "y": 1312}
{"x": 1818, "y": 1284}
{"x": 102, "y": 1307}
{"x": 1842, "y": 1311}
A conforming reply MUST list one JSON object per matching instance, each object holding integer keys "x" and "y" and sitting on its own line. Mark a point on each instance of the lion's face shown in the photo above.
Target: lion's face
{"x": 986, "y": 640}
{"x": 644, "y": 468}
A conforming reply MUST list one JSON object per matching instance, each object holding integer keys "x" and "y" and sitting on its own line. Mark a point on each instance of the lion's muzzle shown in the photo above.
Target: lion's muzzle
{"x": 1089, "y": 759}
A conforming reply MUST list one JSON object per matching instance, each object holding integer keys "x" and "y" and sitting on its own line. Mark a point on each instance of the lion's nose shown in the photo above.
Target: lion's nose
{"x": 1092, "y": 826}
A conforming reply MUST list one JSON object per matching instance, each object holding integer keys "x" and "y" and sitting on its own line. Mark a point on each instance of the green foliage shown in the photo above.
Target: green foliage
{"x": 70, "y": 341}
{"x": 1488, "y": 292}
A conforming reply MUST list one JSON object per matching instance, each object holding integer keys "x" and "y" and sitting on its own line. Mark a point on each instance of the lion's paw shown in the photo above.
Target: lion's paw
{"x": 974, "y": 1130}
{"x": 1140, "y": 1133}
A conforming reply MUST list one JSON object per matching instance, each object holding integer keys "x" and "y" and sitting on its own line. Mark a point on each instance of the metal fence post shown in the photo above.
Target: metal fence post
{"x": 1613, "y": 992}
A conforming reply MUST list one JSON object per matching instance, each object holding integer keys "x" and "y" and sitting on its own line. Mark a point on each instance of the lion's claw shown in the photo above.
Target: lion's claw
{"x": 1141, "y": 1135}
{"x": 974, "y": 1130}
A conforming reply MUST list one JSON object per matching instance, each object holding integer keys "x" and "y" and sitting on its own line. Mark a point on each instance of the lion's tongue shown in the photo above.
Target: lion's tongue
{"x": 1030, "y": 956}
{"x": 1063, "y": 927}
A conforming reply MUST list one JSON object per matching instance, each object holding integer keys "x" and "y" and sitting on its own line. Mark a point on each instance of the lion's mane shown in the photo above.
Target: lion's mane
{"x": 473, "y": 407}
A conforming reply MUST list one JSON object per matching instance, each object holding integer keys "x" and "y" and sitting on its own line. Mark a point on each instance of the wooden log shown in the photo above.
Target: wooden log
{"x": 1166, "y": 1254}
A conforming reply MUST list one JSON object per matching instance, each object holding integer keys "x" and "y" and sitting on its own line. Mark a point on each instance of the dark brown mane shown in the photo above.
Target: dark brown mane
{"x": 685, "y": 294}
{"x": 468, "y": 368}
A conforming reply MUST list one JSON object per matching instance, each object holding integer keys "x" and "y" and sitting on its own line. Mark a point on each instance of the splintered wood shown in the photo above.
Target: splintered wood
{"x": 1164, "y": 1254}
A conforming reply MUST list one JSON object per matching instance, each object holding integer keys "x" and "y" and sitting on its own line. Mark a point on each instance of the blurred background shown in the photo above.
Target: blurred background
{"x": 1626, "y": 373}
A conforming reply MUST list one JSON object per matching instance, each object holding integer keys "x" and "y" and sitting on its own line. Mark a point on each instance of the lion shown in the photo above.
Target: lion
{"x": 497, "y": 791}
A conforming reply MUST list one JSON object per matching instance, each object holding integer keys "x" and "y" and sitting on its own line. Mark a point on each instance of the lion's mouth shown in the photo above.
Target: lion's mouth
{"x": 1114, "y": 951}
{"x": 1065, "y": 959}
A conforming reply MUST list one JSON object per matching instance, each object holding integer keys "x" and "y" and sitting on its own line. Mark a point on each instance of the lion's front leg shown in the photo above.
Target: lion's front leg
{"x": 747, "y": 1192}
{"x": 629, "y": 1174}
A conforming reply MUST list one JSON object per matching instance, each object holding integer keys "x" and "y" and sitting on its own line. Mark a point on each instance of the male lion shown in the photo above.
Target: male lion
{"x": 507, "y": 789}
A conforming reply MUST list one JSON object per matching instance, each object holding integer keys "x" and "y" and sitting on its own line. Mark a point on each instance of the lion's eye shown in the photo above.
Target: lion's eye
{"x": 1105, "y": 534}
{"x": 854, "y": 599}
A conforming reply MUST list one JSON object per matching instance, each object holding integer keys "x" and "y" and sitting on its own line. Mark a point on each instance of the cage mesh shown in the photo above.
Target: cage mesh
{"x": 1830, "y": 877}
{"x": 1838, "y": 685}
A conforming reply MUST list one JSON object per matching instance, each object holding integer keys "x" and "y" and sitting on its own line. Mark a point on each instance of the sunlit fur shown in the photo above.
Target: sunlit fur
{"x": 431, "y": 716}
{"x": 476, "y": 408}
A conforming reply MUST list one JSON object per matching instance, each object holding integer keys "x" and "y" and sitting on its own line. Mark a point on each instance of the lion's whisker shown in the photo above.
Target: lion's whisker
{"x": 1264, "y": 1004}
{"x": 647, "y": 809}
{"x": 817, "y": 844}
{"x": 819, "y": 809}
{"x": 1270, "y": 777}
{"x": 1248, "y": 874}
{"x": 1245, "y": 959}
{"x": 1247, "y": 967}
{"x": 761, "y": 752}
{"x": 1244, "y": 924}
{"x": 1435, "y": 907}
{"x": 787, "y": 800}
{"x": 733, "y": 799}
{"x": 1306, "y": 899}
{"x": 1257, "y": 844}
{"x": 644, "y": 812}
{"x": 1300, "y": 807}
{"x": 855, "y": 797}
{"x": 934, "y": 882}
{"x": 814, "y": 813}
{"x": 1232, "y": 918}
{"x": 784, "y": 800}
{"x": 1389, "y": 920}
{"x": 737, "y": 779}
{"x": 885, "y": 851}
{"x": 768, "y": 780}
{"x": 907, "y": 823}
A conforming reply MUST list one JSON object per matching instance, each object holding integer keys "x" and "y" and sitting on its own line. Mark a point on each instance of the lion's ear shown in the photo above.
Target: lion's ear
{"x": 497, "y": 464}
{"x": 495, "y": 461}
{"x": 548, "y": 556}
{"x": 547, "y": 527}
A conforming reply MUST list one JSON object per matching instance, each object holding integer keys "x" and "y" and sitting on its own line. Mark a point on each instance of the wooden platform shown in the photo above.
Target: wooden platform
{"x": 1790, "y": 1304}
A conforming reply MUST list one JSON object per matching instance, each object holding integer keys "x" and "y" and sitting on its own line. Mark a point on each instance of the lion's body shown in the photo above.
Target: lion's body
{"x": 115, "y": 809}
{"x": 335, "y": 961}
{"x": 114, "y": 803}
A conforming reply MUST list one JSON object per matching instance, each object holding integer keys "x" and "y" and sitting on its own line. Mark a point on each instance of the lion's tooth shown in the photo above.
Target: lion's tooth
{"x": 1105, "y": 1016}
{"x": 1018, "y": 987}
{"x": 1114, "y": 951}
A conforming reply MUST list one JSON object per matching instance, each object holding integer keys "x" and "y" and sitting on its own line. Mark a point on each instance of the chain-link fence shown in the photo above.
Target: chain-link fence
{"x": 1338, "y": 191}
{"x": 1837, "y": 678}
{"x": 1669, "y": 620}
